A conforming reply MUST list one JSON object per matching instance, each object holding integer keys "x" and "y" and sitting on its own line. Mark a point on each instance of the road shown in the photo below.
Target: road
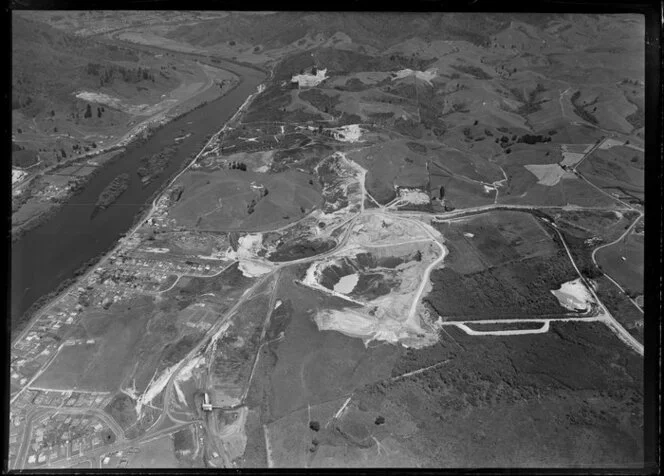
{"x": 425, "y": 277}
{"x": 627, "y": 231}
{"x": 22, "y": 453}
{"x": 614, "y": 242}
{"x": 609, "y": 320}
{"x": 105, "y": 258}
{"x": 406, "y": 216}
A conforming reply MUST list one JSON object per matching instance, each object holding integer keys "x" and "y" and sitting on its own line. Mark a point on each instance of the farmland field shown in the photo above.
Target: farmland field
{"x": 625, "y": 262}
{"x": 397, "y": 241}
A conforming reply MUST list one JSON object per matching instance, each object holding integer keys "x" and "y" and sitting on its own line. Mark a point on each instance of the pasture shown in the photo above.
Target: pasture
{"x": 625, "y": 262}
{"x": 236, "y": 200}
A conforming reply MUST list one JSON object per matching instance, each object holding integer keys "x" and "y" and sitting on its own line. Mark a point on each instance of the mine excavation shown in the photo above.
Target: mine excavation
{"x": 330, "y": 239}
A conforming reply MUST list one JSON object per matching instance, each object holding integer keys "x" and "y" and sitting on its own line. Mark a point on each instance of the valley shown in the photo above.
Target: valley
{"x": 417, "y": 247}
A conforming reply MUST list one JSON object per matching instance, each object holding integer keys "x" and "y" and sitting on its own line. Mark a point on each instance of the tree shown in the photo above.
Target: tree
{"x": 52, "y": 113}
{"x": 314, "y": 425}
{"x": 88, "y": 112}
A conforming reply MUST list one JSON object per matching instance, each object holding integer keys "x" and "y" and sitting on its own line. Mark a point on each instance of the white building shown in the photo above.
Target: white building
{"x": 207, "y": 406}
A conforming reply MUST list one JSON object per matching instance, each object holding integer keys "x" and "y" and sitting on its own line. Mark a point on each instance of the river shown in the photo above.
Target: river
{"x": 51, "y": 253}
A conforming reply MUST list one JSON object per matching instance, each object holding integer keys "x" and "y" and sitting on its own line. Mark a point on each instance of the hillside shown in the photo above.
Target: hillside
{"x": 415, "y": 241}
{"x": 71, "y": 93}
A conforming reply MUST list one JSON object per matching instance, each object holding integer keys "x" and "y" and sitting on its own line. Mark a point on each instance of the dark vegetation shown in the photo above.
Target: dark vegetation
{"x": 113, "y": 191}
{"x": 620, "y": 307}
{"x": 580, "y": 109}
{"x": 301, "y": 249}
{"x": 41, "y": 84}
{"x": 582, "y": 254}
{"x": 251, "y": 206}
{"x": 107, "y": 73}
{"x": 474, "y": 71}
{"x": 352, "y": 85}
{"x": 183, "y": 440}
{"x": 176, "y": 193}
{"x": 240, "y": 343}
{"x": 371, "y": 28}
{"x": 517, "y": 289}
{"x": 155, "y": 164}
{"x": 234, "y": 165}
{"x": 183, "y": 296}
{"x": 533, "y": 139}
{"x": 320, "y": 100}
{"x": 409, "y": 128}
{"x": 24, "y": 158}
{"x": 175, "y": 352}
{"x": 637, "y": 118}
{"x": 506, "y": 142}
{"x": 531, "y": 103}
{"x": 123, "y": 410}
{"x": 416, "y": 147}
{"x": 491, "y": 399}
{"x": 279, "y": 320}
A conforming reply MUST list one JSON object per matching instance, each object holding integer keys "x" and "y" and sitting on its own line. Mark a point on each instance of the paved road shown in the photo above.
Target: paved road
{"x": 613, "y": 324}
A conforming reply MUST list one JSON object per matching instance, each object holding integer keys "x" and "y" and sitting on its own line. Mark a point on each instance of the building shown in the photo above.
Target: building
{"x": 207, "y": 406}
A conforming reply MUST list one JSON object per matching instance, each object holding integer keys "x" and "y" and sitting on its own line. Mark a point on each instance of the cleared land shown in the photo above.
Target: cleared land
{"x": 336, "y": 272}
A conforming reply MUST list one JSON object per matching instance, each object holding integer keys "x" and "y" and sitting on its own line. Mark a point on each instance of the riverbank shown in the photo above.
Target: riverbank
{"x": 18, "y": 231}
{"x": 141, "y": 215}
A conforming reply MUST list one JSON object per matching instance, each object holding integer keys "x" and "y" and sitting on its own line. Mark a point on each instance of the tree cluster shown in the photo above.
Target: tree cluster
{"x": 238, "y": 166}
{"x": 580, "y": 109}
{"x": 107, "y": 73}
{"x": 533, "y": 139}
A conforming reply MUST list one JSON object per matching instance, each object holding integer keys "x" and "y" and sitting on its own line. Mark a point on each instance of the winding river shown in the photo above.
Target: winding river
{"x": 51, "y": 253}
